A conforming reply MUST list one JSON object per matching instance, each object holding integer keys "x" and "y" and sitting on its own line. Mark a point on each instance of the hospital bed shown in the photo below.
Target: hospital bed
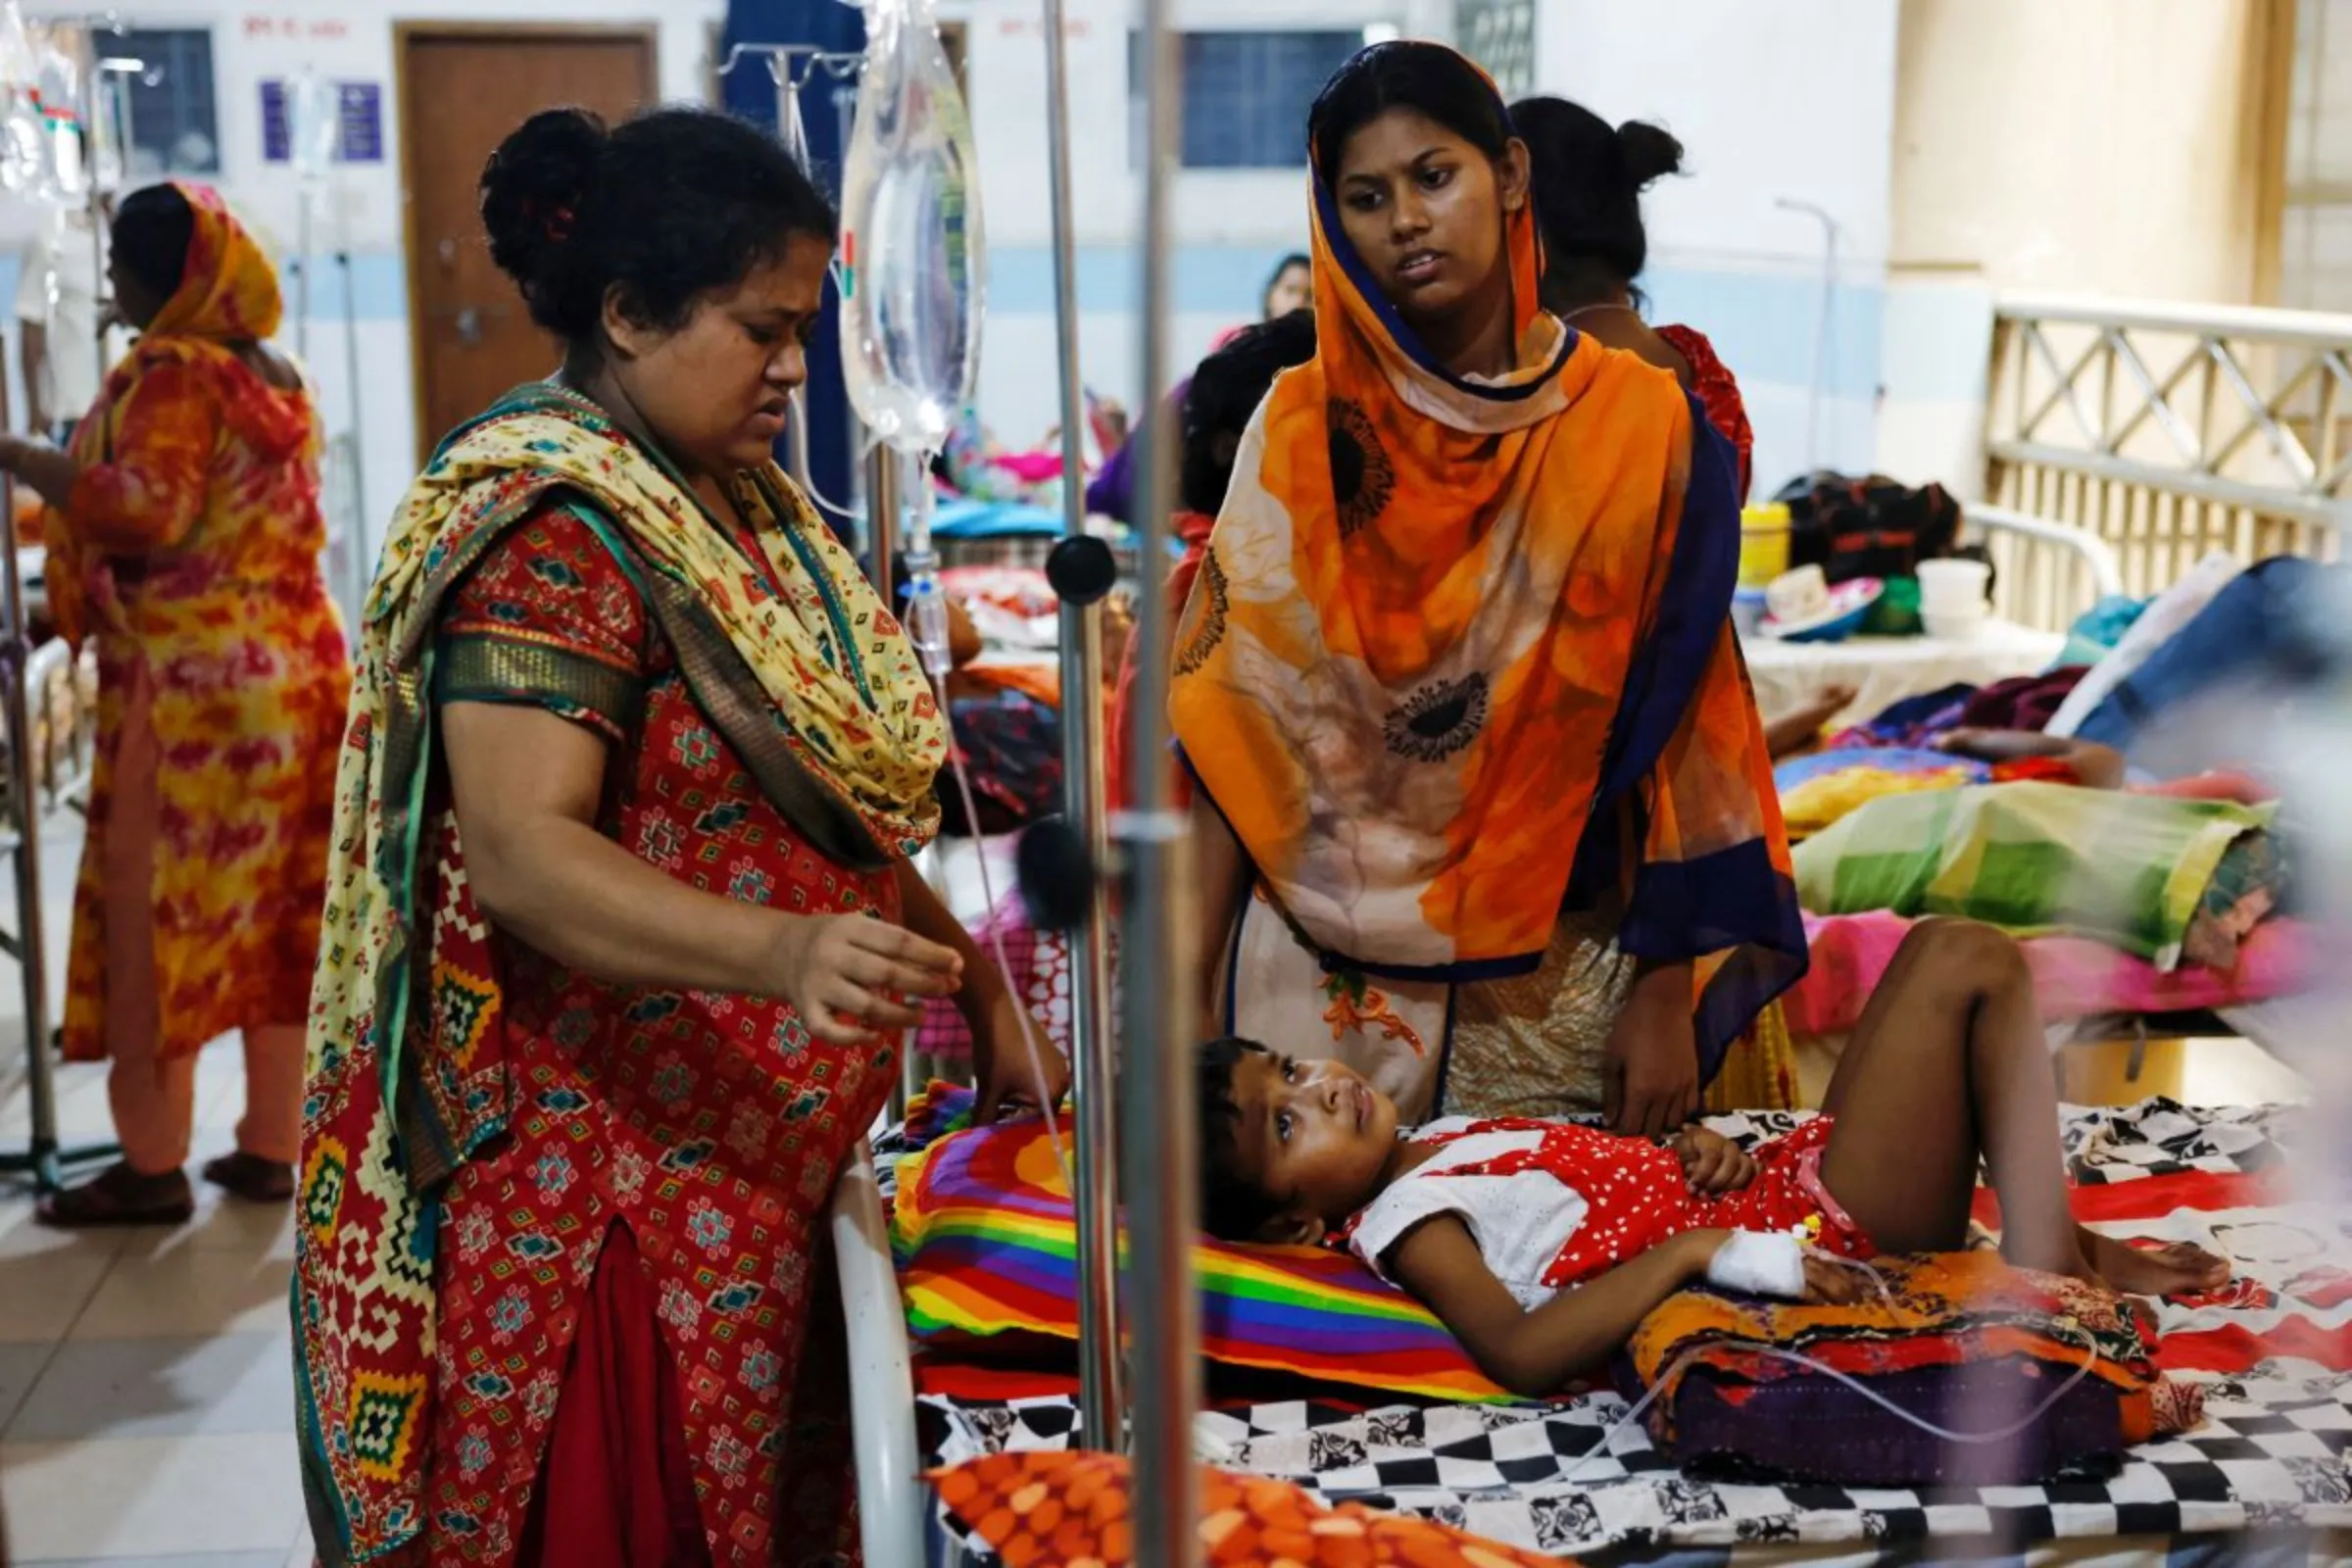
{"x": 2047, "y": 574}
{"x": 2309, "y": 1496}
{"x": 2267, "y": 1472}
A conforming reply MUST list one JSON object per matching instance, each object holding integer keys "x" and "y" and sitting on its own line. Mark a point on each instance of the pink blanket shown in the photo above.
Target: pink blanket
{"x": 2076, "y": 978}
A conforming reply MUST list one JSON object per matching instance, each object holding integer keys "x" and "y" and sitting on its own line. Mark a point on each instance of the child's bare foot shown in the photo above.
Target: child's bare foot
{"x": 2178, "y": 1269}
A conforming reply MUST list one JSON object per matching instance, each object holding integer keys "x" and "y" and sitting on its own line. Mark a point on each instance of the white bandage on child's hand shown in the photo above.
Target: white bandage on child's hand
{"x": 1761, "y": 1263}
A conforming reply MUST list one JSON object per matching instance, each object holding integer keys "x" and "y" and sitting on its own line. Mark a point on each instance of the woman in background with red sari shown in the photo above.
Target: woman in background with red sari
{"x": 1588, "y": 178}
{"x": 185, "y": 538}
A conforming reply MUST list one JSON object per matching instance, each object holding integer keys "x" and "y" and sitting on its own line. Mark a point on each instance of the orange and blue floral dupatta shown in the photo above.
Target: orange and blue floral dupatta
{"x": 1461, "y": 657}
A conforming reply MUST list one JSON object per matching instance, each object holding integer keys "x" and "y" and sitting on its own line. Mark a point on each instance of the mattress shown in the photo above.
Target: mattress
{"x": 2274, "y": 1351}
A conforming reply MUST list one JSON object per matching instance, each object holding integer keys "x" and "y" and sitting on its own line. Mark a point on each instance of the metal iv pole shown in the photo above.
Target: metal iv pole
{"x": 1157, "y": 1135}
{"x": 785, "y": 62}
{"x": 44, "y": 1158}
{"x": 1083, "y": 571}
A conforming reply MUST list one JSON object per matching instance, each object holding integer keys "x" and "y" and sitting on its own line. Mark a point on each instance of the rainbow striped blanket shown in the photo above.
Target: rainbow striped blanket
{"x": 987, "y": 1244}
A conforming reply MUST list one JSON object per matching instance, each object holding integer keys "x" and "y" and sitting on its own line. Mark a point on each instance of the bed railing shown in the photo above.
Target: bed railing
{"x": 2044, "y": 573}
{"x": 2170, "y": 431}
{"x": 891, "y": 1496}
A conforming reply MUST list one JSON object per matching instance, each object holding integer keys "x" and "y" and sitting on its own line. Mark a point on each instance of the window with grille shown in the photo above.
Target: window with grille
{"x": 174, "y": 125}
{"x": 1247, "y": 93}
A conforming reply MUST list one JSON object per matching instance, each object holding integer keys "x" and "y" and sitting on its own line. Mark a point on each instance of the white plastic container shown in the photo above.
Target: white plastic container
{"x": 1953, "y": 585}
{"x": 1954, "y": 625}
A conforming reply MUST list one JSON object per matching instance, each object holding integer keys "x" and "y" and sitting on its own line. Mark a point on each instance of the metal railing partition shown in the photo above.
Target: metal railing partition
{"x": 2172, "y": 431}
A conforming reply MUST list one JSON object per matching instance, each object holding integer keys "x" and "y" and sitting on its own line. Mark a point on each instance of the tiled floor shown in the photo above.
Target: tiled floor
{"x": 146, "y": 1377}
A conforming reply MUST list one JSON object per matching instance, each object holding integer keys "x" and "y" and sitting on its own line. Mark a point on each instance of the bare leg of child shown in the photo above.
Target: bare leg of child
{"x": 1947, "y": 1063}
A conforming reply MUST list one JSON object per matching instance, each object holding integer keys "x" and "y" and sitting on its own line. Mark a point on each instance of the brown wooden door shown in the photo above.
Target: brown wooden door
{"x": 462, "y": 91}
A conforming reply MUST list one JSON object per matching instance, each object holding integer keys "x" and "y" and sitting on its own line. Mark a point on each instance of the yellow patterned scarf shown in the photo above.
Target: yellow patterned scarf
{"x": 795, "y": 659}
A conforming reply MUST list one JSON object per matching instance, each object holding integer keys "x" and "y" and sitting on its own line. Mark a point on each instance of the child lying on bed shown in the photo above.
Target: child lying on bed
{"x": 1544, "y": 1245}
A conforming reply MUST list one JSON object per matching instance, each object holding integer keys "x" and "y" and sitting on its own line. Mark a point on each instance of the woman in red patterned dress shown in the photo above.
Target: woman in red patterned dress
{"x": 1588, "y": 178}
{"x": 622, "y": 926}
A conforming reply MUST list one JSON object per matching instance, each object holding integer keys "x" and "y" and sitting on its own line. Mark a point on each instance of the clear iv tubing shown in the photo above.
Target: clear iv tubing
{"x": 827, "y": 502}
{"x": 2091, "y": 1361}
{"x": 1601, "y": 1447}
{"x": 927, "y": 627}
{"x": 833, "y": 271}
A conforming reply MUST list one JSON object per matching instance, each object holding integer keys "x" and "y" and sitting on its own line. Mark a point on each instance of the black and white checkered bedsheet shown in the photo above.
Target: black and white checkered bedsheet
{"x": 2270, "y": 1455}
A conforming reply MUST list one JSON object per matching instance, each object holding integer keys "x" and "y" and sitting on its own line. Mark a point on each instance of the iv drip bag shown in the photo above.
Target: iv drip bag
{"x": 314, "y": 108}
{"x": 910, "y": 255}
{"x": 25, "y": 159}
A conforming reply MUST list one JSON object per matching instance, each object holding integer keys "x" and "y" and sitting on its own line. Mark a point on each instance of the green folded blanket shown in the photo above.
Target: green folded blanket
{"x": 2036, "y": 859}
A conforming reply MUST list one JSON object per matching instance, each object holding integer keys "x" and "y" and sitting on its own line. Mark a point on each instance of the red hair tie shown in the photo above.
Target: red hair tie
{"x": 554, "y": 224}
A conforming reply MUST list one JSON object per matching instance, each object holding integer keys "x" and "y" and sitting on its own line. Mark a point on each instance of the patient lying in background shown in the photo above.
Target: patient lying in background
{"x": 2086, "y": 763}
{"x": 1544, "y": 1245}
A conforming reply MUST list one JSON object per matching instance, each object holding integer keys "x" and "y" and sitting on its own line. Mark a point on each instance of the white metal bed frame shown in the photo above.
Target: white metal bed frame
{"x": 2051, "y": 572}
{"x": 892, "y": 1515}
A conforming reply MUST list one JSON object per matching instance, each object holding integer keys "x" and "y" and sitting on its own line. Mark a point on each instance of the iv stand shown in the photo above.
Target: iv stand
{"x": 784, "y": 68}
{"x": 1825, "y": 328}
{"x": 1157, "y": 1135}
{"x": 43, "y": 1158}
{"x": 1059, "y": 868}
{"x": 1081, "y": 571}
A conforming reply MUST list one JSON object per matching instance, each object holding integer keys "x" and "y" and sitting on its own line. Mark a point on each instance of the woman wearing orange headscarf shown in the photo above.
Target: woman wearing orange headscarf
{"x": 1458, "y": 683}
{"x": 185, "y": 538}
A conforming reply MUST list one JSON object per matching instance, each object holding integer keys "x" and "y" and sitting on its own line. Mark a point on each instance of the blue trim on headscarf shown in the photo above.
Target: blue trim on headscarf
{"x": 1460, "y": 974}
{"x": 1734, "y": 899}
{"x": 1663, "y": 679}
{"x": 1391, "y": 320}
{"x": 1750, "y": 980}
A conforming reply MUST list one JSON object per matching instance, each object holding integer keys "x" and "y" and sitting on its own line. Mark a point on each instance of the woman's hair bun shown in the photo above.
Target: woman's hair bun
{"x": 534, "y": 189}
{"x": 1651, "y": 152}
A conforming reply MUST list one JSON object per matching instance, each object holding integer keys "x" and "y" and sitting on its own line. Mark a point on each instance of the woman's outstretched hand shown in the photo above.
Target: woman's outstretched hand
{"x": 1009, "y": 1082}
{"x": 1649, "y": 1067}
{"x": 48, "y": 471}
{"x": 852, "y": 977}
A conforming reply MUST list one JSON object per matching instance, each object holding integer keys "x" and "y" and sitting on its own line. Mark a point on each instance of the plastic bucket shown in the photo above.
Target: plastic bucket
{"x": 1763, "y": 544}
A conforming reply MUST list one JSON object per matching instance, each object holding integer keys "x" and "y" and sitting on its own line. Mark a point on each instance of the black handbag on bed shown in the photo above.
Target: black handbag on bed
{"x": 1867, "y": 527}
